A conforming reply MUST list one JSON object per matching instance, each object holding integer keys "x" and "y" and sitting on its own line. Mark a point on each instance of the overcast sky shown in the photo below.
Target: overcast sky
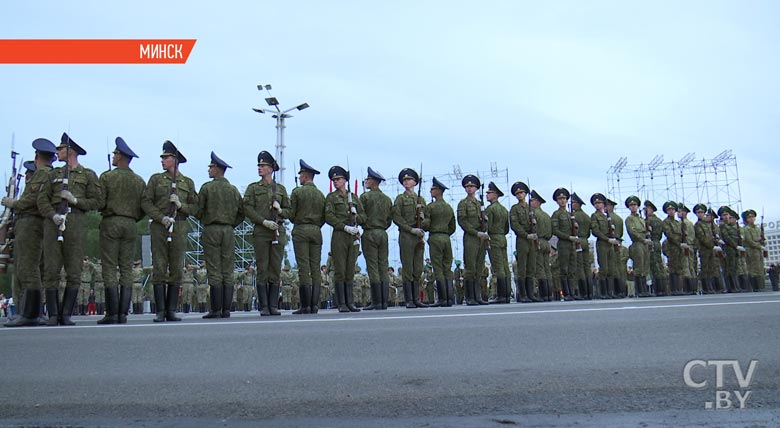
{"x": 555, "y": 92}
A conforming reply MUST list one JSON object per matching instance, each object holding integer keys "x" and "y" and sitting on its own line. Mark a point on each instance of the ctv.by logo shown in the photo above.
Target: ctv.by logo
{"x": 722, "y": 396}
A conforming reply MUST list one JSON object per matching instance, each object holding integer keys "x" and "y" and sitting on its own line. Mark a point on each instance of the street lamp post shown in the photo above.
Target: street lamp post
{"x": 280, "y": 115}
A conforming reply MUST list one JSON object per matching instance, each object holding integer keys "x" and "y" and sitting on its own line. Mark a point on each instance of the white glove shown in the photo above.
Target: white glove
{"x": 167, "y": 221}
{"x": 685, "y": 246}
{"x": 8, "y": 201}
{"x": 419, "y": 232}
{"x": 717, "y": 249}
{"x": 275, "y": 205}
{"x": 352, "y": 230}
{"x": 532, "y": 237}
{"x": 613, "y": 241}
{"x": 270, "y": 224}
{"x": 763, "y": 248}
{"x": 175, "y": 200}
{"x": 58, "y": 219}
{"x": 353, "y": 210}
{"x": 721, "y": 242}
{"x": 483, "y": 236}
{"x": 740, "y": 248}
{"x": 574, "y": 239}
{"x": 65, "y": 194}
{"x": 648, "y": 241}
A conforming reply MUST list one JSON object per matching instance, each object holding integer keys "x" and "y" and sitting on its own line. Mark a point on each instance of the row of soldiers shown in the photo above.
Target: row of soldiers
{"x": 50, "y": 226}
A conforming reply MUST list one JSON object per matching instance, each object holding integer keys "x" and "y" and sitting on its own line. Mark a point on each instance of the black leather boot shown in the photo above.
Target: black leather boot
{"x": 416, "y": 295}
{"x": 217, "y": 294}
{"x": 341, "y": 298}
{"x": 544, "y": 293}
{"x": 408, "y": 300}
{"x": 112, "y": 306}
{"x": 522, "y": 293}
{"x": 350, "y": 298}
{"x": 314, "y": 306}
{"x": 125, "y": 295}
{"x": 172, "y": 302}
{"x": 305, "y": 294}
{"x": 53, "y": 306}
{"x": 478, "y": 293}
{"x": 528, "y": 284}
{"x": 567, "y": 292}
{"x": 69, "y": 297}
{"x": 227, "y": 300}
{"x": 273, "y": 299}
{"x": 384, "y": 293}
{"x": 450, "y": 292}
{"x": 262, "y": 296}
{"x": 500, "y": 293}
{"x": 31, "y": 310}
{"x": 469, "y": 285}
{"x": 376, "y": 298}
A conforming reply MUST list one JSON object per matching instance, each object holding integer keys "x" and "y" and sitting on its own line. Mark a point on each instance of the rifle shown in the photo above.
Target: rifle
{"x": 64, "y": 208}
{"x": 575, "y": 227}
{"x": 419, "y": 213}
{"x": 716, "y": 238}
{"x": 7, "y": 220}
{"x": 483, "y": 218}
{"x": 532, "y": 219}
{"x": 172, "y": 210}
{"x": 274, "y": 214}
{"x": 352, "y": 216}
{"x": 108, "y": 155}
{"x": 739, "y": 239}
{"x": 765, "y": 253}
{"x": 684, "y": 235}
{"x": 611, "y": 229}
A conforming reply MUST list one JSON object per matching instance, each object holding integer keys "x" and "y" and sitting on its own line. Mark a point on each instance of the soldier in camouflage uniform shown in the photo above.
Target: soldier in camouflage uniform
{"x": 327, "y": 288}
{"x": 248, "y": 282}
{"x": 555, "y": 272}
{"x": 584, "y": 257}
{"x": 344, "y": 213}
{"x": 169, "y": 198}
{"x": 87, "y": 277}
{"x": 469, "y": 212}
{"x": 411, "y": 236}
{"x": 307, "y": 213}
{"x": 497, "y": 229}
{"x": 120, "y": 206}
{"x": 522, "y": 222}
{"x": 568, "y": 243}
{"x": 689, "y": 274}
{"x": 99, "y": 286}
{"x": 28, "y": 243}
{"x": 82, "y": 195}
{"x": 264, "y": 201}
{"x": 429, "y": 294}
{"x": 459, "y": 280}
{"x": 201, "y": 287}
{"x": 707, "y": 248}
{"x": 605, "y": 246}
{"x": 674, "y": 248}
{"x": 139, "y": 277}
{"x": 542, "y": 271}
{"x": 754, "y": 249}
{"x": 655, "y": 225}
{"x": 439, "y": 222}
{"x": 379, "y": 217}
{"x": 394, "y": 292}
{"x": 287, "y": 281}
{"x": 621, "y": 260}
{"x": 484, "y": 282}
{"x": 219, "y": 211}
{"x": 188, "y": 288}
{"x": 361, "y": 288}
{"x": 640, "y": 243}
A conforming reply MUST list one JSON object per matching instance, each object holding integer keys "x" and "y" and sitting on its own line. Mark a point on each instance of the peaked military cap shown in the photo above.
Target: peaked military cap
{"x": 66, "y": 141}
{"x": 597, "y": 197}
{"x": 470, "y": 179}
{"x": 265, "y": 158}
{"x": 518, "y": 186}
{"x": 370, "y": 173}
{"x": 408, "y": 173}
{"x": 577, "y": 199}
{"x": 338, "y": 172}
{"x": 633, "y": 199}
{"x": 611, "y": 202}
{"x": 438, "y": 184}
{"x": 668, "y": 204}
{"x": 123, "y": 148}
{"x": 493, "y": 188}
{"x": 44, "y": 145}
{"x": 711, "y": 213}
{"x": 307, "y": 168}
{"x": 537, "y": 196}
{"x": 170, "y": 150}
{"x": 30, "y": 166}
{"x": 561, "y": 191}
{"x": 651, "y": 205}
{"x": 699, "y": 207}
{"x": 748, "y": 213}
{"x": 216, "y": 161}
{"x": 724, "y": 210}
{"x": 681, "y": 207}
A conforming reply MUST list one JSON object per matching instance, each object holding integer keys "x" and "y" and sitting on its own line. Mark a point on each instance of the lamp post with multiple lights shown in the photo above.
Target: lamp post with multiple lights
{"x": 280, "y": 115}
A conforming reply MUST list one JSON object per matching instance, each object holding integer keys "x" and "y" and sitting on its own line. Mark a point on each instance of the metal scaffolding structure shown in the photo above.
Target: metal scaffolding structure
{"x": 714, "y": 182}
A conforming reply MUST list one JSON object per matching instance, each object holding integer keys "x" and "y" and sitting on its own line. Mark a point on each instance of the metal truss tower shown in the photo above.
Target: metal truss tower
{"x": 714, "y": 182}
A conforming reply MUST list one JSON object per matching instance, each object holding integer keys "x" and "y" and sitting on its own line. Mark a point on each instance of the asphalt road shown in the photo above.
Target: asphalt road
{"x": 572, "y": 364}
